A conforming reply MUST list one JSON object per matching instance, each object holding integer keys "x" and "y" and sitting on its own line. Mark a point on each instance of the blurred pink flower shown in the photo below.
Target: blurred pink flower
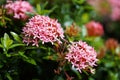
{"x": 81, "y": 56}
{"x": 94, "y": 29}
{"x": 42, "y": 28}
{"x": 115, "y": 9}
{"x": 19, "y": 9}
{"x": 115, "y": 15}
{"x": 102, "y": 7}
{"x": 114, "y": 3}
{"x": 106, "y": 8}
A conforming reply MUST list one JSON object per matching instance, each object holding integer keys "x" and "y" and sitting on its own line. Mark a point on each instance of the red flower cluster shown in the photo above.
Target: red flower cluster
{"x": 94, "y": 29}
{"x": 111, "y": 44}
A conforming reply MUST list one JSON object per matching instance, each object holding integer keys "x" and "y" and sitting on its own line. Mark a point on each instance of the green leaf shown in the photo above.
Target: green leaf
{"x": 27, "y": 59}
{"x": 16, "y": 45}
{"x": 30, "y": 60}
{"x": 85, "y": 17}
{"x": 38, "y": 8}
{"x": 84, "y": 31}
{"x": 22, "y": 55}
{"x": 1, "y": 65}
{"x": 8, "y": 76}
{"x": 7, "y": 41}
{"x": 8, "y": 19}
{"x": 112, "y": 76}
{"x": 15, "y": 36}
{"x": 79, "y": 1}
{"x": 1, "y": 46}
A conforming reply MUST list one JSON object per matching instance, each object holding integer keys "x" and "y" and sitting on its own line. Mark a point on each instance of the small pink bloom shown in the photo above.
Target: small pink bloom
{"x": 81, "y": 55}
{"x": 114, "y": 3}
{"x": 115, "y": 15}
{"x": 115, "y": 9}
{"x": 42, "y": 28}
{"x": 94, "y": 29}
{"x": 19, "y": 9}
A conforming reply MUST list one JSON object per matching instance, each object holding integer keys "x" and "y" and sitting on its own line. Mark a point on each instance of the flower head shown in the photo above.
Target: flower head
{"x": 94, "y": 28}
{"x": 19, "y": 9}
{"x": 42, "y": 28}
{"x": 72, "y": 30}
{"x": 111, "y": 44}
{"x": 81, "y": 56}
{"x": 115, "y": 9}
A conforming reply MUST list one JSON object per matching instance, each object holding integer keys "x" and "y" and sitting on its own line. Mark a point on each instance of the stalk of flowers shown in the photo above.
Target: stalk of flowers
{"x": 94, "y": 28}
{"x": 19, "y": 9}
{"x": 42, "y": 28}
{"x": 81, "y": 56}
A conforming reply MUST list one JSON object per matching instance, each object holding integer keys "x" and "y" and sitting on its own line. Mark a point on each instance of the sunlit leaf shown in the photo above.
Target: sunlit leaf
{"x": 7, "y": 41}
{"x": 30, "y": 60}
{"x": 16, "y": 45}
{"x": 8, "y": 76}
{"x": 16, "y": 36}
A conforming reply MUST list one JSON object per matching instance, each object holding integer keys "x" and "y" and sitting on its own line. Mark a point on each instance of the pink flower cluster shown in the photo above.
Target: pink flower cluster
{"x": 94, "y": 29}
{"x": 42, "y": 28}
{"x": 19, "y": 9}
{"x": 115, "y": 6}
{"x": 81, "y": 56}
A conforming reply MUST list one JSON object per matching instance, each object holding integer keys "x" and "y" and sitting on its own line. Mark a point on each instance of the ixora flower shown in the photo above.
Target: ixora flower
{"x": 94, "y": 29}
{"x": 19, "y": 9}
{"x": 81, "y": 56}
{"x": 111, "y": 44}
{"x": 42, "y": 28}
{"x": 115, "y": 9}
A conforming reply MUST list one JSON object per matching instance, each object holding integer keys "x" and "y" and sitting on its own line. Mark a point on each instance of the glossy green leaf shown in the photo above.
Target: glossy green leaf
{"x": 22, "y": 55}
{"x": 16, "y": 36}
{"x": 38, "y": 7}
{"x": 30, "y": 60}
{"x": 16, "y": 45}
{"x": 7, "y": 41}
